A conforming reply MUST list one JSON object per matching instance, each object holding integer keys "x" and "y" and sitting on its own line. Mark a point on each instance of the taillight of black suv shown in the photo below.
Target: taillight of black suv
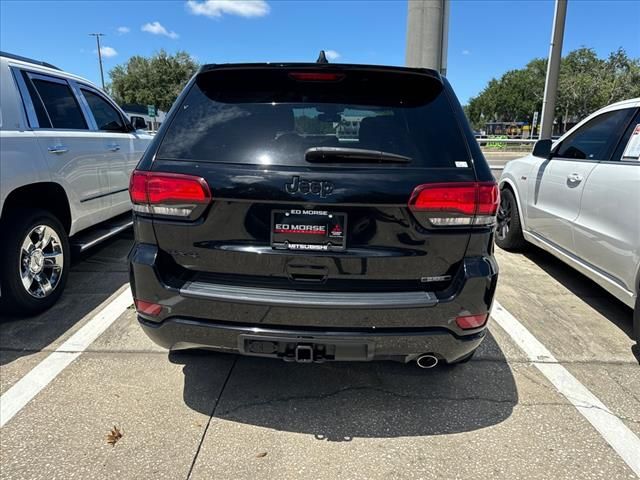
{"x": 315, "y": 213}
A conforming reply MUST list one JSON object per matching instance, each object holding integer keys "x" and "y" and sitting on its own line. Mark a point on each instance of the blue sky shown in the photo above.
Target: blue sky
{"x": 486, "y": 38}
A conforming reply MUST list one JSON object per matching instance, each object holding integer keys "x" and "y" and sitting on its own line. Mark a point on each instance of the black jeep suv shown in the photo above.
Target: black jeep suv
{"x": 315, "y": 212}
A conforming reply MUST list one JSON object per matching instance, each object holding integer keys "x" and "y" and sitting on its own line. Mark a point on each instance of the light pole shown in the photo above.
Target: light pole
{"x": 98, "y": 35}
{"x": 553, "y": 70}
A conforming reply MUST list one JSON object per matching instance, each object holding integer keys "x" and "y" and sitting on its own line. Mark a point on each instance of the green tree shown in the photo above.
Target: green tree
{"x": 156, "y": 80}
{"x": 586, "y": 83}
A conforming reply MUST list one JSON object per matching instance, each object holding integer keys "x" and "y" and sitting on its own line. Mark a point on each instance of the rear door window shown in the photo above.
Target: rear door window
{"x": 628, "y": 148}
{"x": 60, "y": 104}
{"x": 264, "y": 116}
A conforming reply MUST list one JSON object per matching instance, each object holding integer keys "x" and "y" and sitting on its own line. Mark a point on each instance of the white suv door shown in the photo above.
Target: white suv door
{"x": 556, "y": 185}
{"x": 607, "y": 231}
{"x": 76, "y": 160}
{"x": 122, "y": 145}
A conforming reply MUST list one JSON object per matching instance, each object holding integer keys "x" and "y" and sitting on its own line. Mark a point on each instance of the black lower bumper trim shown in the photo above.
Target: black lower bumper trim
{"x": 284, "y": 343}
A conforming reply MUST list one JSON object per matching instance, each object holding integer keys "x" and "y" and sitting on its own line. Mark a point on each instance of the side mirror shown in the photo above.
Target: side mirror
{"x": 542, "y": 148}
{"x": 138, "y": 123}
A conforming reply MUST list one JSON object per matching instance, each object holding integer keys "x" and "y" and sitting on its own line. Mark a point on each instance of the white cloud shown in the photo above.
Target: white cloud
{"x": 332, "y": 55}
{"x": 466, "y": 52}
{"x": 156, "y": 28}
{"x": 107, "y": 52}
{"x": 217, "y": 8}
{"x": 123, "y": 30}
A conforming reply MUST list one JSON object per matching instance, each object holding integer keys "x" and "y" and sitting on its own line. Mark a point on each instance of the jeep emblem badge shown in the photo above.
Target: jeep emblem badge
{"x": 314, "y": 187}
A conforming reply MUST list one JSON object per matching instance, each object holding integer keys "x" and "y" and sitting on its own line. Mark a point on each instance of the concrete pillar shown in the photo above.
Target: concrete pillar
{"x": 427, "y": 34}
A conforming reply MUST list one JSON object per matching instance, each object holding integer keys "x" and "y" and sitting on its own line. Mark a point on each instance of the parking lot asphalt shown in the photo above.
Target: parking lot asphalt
{"x": 206, "y": 415}
{"x": 498, "y": 160}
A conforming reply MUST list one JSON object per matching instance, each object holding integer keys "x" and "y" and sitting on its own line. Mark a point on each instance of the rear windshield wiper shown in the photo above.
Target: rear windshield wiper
{"x": 335, "y": 154}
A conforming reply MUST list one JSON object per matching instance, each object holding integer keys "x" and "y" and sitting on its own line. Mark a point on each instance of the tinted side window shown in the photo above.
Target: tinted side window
{"x": 597, "y": 138}
{"x": 625, "y": 140}
{"x": 61, "y": 105}
{"x": 41, "y": 113}
{"x": 107, "y": 118}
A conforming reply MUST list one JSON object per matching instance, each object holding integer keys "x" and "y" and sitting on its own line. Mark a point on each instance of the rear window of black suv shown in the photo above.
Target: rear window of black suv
{"x": 273, "y": 116}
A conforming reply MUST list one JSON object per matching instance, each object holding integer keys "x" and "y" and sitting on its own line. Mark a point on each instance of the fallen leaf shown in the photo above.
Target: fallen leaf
{"x": 114, "y": 435}
{"x": 261, "y": 455}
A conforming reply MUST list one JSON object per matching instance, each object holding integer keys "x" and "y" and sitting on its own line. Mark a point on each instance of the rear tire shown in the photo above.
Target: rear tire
{"x": 509, "y": 229}
{"x": 35, "y": 261}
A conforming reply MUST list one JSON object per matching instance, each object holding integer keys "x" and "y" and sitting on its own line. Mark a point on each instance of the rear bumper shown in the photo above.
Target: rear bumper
{"x": 349, "y": 325}
{"x": 179, "y": 333}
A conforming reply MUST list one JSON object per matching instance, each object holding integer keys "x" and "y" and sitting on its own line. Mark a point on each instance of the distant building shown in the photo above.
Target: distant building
{"x": 137, "y": 110}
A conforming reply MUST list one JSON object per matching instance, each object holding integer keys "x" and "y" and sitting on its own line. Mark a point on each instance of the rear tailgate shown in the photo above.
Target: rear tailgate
{"x": 283, "y": 215}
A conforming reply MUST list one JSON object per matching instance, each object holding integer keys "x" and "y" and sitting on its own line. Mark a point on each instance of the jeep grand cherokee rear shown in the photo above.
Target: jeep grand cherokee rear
{"x": 267, "y": 227}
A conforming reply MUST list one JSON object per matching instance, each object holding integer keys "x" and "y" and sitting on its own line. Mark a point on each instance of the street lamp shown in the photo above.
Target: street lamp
{"x": 98, "y": 35}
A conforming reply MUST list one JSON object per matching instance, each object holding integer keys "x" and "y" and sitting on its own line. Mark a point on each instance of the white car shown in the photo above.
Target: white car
{"x": 579, "y": 199}
{"x": 66, "y": 154}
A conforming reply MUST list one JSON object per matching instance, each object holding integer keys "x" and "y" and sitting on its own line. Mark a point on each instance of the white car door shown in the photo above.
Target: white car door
{"x": 557, "y": 184}
{"x": 76, "y": 161}
{"x": 122, "y": 145}
{"x": 607, "y": 231}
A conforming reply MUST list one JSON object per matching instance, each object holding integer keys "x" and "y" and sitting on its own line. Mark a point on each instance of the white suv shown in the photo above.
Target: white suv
{"x": 66, "y": 154}
{"x": 580, "y": 200}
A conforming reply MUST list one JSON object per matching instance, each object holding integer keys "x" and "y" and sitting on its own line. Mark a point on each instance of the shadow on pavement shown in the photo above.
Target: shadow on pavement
{"x": 595, "y": 296}
{"x": 94, "y": 277}
{"x": 342, "y": 401}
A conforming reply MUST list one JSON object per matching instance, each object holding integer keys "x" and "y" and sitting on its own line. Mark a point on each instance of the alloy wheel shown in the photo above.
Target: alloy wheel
{"x": 41, "y": 261}
{"x": 504, "y": 218}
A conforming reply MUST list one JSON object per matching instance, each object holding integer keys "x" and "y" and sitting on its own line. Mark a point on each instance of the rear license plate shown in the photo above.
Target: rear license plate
{"x": 316, "y": 230}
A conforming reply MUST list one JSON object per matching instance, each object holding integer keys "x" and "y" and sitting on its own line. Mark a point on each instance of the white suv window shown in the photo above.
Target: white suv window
{"x": 60, "y": 104}
{"x": 596, "y": 139}
{"x": 107, "y": 118}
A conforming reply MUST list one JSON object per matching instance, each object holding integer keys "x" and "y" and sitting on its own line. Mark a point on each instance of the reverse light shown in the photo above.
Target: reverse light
{"x": 168, "y": 194}
{"x": 467, "y": 322}
{"x": 148, "y": 308}
{"x": 456, "y": 204}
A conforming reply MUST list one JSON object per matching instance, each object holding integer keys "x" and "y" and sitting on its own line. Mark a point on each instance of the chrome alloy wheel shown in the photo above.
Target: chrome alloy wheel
{"x": 41, "y": 261}
{"x": 504, "y": 217}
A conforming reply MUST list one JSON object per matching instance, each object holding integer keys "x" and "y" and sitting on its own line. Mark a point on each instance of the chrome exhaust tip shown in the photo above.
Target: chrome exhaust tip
{"x": 427, "y": 361}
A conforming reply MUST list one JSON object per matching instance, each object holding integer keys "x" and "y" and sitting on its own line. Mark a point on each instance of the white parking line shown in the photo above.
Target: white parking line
{"x": 610, "y": 427}
{"x": 14, "y": 399}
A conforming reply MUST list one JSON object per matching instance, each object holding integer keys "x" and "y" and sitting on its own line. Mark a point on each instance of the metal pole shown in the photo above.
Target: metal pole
{"x": 444, "y": 48}
{"x": 98, "y": 35}
{"x": 553, "y": 70}
{"x": 427, "y": 34}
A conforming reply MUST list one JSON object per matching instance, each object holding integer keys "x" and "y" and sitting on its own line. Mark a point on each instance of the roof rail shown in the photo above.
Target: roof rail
{"x": 28, "y": 60}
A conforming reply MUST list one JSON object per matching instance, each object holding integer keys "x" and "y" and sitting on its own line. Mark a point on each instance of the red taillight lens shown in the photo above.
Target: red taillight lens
{"x": 148, "y": 308}
{"x": 171, "y": 194}
{"x": 174, "y": 188}
{"x": 488, "y": 198}
{"x": 317, "y": 76}
{"x": 460, "y": 200}
{"x": 467, "y": 322}
{"x": 138, "y": 187}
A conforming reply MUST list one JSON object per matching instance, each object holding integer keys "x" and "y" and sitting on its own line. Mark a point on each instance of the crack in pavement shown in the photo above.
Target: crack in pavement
{"x": 213, "y": 411}
{"x": 443, "y": 398}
